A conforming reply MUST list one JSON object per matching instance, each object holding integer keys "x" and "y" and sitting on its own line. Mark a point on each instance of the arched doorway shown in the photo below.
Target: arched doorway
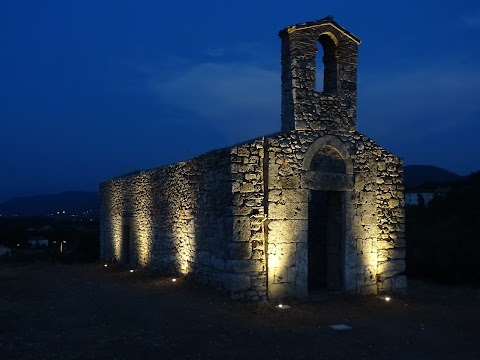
{"x": 328, "y": 174}
{"x": 326, "y": 225}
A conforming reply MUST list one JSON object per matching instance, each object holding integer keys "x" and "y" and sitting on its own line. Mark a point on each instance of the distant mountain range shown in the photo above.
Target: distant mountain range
{"x": 416, "y": 175}
{"x": 83, "y": 203}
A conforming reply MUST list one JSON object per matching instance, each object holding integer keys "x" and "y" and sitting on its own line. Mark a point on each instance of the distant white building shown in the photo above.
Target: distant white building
{"x": 38, "y": 242}
{"x": 413, "y": 196}
{"x": 5, "y": 251}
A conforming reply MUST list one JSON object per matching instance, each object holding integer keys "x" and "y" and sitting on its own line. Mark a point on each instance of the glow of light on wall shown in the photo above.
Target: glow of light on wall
{"x": 281, "y": 235}
{"x": 113, "y": 208}
{"x": 181, "y": 211}
{"x": 142, "y": 234}
{"x": 142, "y": 219}
{"x": 282, "y": 248}
{"x": 116, "y": 231}
{"x": 368, "y": 245}
{"x": 184, "y": 233}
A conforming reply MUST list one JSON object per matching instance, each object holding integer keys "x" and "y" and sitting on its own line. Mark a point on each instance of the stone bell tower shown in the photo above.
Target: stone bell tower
{"x": 334, "y": 105}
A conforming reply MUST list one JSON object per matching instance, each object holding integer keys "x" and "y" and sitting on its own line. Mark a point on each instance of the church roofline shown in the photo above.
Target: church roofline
{"x": 322, "y": 22}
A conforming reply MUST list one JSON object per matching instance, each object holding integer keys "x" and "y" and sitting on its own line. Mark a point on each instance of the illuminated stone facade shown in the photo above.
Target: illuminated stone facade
{"x": 315, "y": 208}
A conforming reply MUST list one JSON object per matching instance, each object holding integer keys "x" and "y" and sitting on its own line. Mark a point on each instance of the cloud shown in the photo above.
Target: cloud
{"x": 246, "y": 50}
{"x": 424, "y": 114}
{"x": 472, "y": 21}
{"x": 433, "y": 99}
{"x": 405, "y": 109}
{"x": 242, "y": 98}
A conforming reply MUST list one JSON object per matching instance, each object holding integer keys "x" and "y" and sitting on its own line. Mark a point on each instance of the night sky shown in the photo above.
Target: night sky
{"x": 92, "y": 89}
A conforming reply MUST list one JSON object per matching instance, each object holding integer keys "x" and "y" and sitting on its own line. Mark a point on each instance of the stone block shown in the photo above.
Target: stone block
{"x": 244, "y": 266}
{"x": 400, "y": 284}
{"x": 397, "y": 253}
{"x": 241, "y": 228}
{"x": 238, "y": 250}
{"x": 368, "y": 290}
{"x": 243, "y": 151}
{"x": 259, "y": 282}
{"x": 217, "y": 263}
{"x": 257, "y": 254}
{"x": 301, "y": 260}
{"x": 296, "y": 211}
{"x": 281, "y": 255}
{"x": 363, "y": 231}
{"x": 390, "y": 268}
{"x": 384, "y": 285}
{"x": 370, "y": 276}
{"x": 367, "y": 246}
{"x": 290, "y": 182}
{"x": 235, "y": 297}
{"x": 281, "y": 291}
{"x": 291, "y": 274}
{"x": 236, "y": 282}
{"x": 382, "y": 255}
{"x": 382, "y": 244}
{"x": 280, "y": 274}
{"x": 287, "y": 231}
{"x": 203, "y": 258}
{"x": 293, "y": 196}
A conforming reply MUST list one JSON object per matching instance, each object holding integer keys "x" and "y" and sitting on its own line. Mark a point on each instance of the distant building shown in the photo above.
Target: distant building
{"x": 38, "y": 242}
{"x": 414, "y": 196}
{"x": 5, "y": 251}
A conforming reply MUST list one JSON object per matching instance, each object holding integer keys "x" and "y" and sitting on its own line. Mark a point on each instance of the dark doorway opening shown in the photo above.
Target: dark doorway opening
{"x": 325, "y": 240}
{"x": 126, "y": 244}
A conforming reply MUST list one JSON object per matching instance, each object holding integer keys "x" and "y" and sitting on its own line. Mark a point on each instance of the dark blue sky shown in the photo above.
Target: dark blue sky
{"x": 91, "y": 89}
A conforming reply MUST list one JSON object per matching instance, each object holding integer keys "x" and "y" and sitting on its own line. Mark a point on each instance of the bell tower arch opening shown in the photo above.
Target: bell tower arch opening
{"x": 326, "y": 65}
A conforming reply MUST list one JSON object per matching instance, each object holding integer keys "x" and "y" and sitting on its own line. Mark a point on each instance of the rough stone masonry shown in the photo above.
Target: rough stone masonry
{"x": 317, "y": 207}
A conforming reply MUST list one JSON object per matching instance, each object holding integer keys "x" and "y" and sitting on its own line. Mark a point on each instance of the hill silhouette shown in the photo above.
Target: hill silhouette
{"x": 416, "y": 175}
{"x": 70, "y": 202}
{"x": 78, "y": 202}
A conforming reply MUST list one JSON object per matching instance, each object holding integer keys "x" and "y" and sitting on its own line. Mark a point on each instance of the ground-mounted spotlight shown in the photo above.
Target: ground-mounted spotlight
{"x": 174, "y": 280}
{"x": 387, "y": 298}
{"x": 131, "y": 270}
{"x": 283, "y": 306}
{"x": 105, "y": 265}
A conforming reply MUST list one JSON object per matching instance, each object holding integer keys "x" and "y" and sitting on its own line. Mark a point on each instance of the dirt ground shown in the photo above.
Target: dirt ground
{"x": 54, "y": 311}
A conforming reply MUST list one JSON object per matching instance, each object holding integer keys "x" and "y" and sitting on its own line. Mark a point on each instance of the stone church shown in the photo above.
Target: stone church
{"x": 315, "y": 207}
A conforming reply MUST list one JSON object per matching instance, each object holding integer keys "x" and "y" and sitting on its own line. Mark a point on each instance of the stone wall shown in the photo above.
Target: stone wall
{"x": 219, "y": 215}
{"x": 373, "y": 249}
{"x": 201, "y": 217}
{"x": 180, "y": 217}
